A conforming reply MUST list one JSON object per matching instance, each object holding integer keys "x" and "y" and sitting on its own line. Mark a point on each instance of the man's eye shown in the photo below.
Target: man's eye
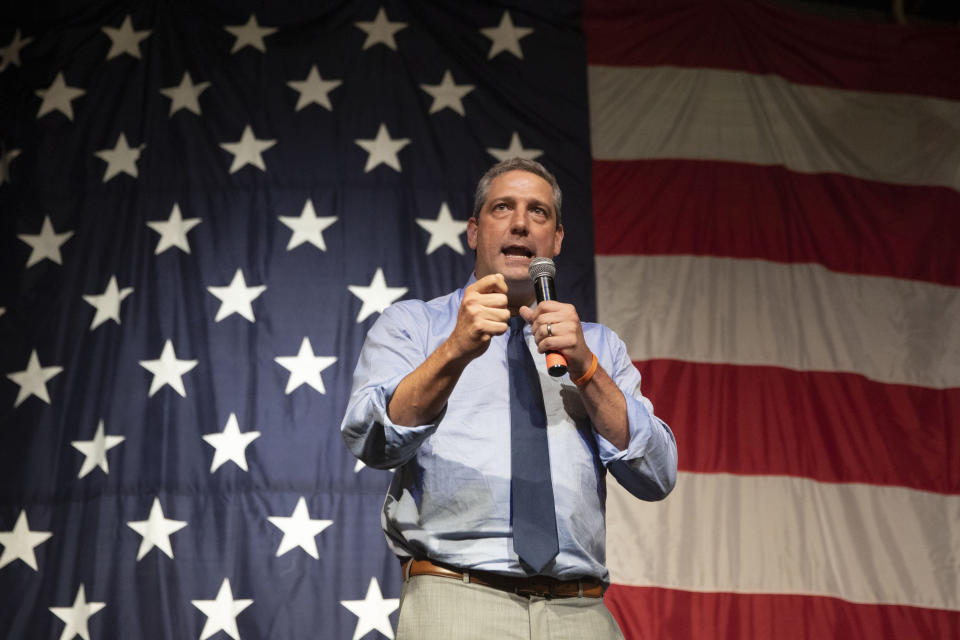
{"x": 500, "y": 206}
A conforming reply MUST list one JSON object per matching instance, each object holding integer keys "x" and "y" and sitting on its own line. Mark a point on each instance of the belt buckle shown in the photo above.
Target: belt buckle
{"x": 528, "y": 591}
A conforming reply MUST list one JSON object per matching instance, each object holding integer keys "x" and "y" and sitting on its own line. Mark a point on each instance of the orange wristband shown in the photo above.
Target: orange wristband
{"x": 585, "y": 378}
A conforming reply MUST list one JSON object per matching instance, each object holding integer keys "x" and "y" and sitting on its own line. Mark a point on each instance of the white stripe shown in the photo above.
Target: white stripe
{"x": 777, "y": 534}
{"x": 709, "y": 114}
{"x": 797, "y": 316}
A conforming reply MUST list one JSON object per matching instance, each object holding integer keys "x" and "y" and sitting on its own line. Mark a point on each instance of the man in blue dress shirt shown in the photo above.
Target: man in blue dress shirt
{"x": 431, "y": 399}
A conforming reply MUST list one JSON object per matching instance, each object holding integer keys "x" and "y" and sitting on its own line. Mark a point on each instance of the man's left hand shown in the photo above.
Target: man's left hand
{"x": 556, "y": 327}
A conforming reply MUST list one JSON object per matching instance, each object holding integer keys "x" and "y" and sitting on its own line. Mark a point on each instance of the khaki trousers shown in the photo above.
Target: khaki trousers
{"x": 435, "y": 608}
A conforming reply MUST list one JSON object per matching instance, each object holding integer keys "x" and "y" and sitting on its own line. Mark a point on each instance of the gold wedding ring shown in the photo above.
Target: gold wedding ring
{"x": 549, "y": 331}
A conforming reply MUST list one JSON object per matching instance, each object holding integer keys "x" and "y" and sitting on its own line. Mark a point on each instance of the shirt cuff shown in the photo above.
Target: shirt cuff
{"x": 386, "y": 444}
{"x": 639, "y": 423}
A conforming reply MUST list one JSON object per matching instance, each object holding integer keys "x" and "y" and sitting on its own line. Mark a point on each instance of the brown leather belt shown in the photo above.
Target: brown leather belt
{"x": 542, "y": 586}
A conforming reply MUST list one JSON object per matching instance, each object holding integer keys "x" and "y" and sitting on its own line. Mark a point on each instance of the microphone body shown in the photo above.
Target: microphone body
{"x": 542, "y": 271}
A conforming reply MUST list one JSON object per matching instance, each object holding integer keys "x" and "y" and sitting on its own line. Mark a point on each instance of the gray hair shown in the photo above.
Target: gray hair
{"x": 515, "y": 164}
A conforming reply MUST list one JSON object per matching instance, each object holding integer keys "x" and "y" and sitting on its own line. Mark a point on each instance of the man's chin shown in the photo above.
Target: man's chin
{"x": 517, "y": 277}
{"x": 516, "y": 268}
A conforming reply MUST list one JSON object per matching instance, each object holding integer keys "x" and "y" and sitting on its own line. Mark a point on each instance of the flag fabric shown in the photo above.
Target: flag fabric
{"x": 777, "y": 226}
{"x": 205, "y": 206}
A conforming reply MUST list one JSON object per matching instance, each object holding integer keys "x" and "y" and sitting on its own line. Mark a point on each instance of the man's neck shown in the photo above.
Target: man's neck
{"x": 519, "y": 295}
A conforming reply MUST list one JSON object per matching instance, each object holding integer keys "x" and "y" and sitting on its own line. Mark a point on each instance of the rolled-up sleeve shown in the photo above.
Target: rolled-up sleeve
{"x": 647, "y": 468}
{"x": 394, "y": 346}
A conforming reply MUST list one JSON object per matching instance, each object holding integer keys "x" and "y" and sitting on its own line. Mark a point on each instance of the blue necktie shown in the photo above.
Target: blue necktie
{"x": 531, "y": 492}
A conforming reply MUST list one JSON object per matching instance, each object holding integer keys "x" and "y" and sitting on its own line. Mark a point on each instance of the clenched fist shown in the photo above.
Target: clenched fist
{"x": 483, "y": 314}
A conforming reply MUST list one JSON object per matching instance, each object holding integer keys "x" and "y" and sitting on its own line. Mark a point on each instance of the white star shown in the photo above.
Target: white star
{"x": 506, "y": 37}
{"x": 515, "y": 150}
{"x": 173, "y": 231}
{"x": 33, "y": 380}
{"x": 444, "y": 230}
{"x": 305, "y": 367}
{"x": 107, "y": 303}
{"x": 373, "y": 612}
{"x": 5, "y": 161}
{"x": 448, "y": 94}
{"x": 360, "y": 466}
{"x": 46, "y": 244}
{"x": 381, "y": 30}
{"x": 168, "y": 370}
{"x": 58, "y": 96}
{"x": 307, "y": 227}
{"x": 383, "y": 149}
{"x": 221, "y": 613}
{"x": 121, "y": 159}
{"x": 299, "y": 530}
{"x": 125, "y": 39}
{"x": 314, "y": 90}
{"x": 185, "y": 95}
{"x": 230, "y": 444}
{"x": 76, "y": 617}
{"x": 250, "y": 35}
{"x": 247, "y": 150}
{"x": 156, "y": 531}
{"x": 10, "y": 54}
{"x": 236, "y": 297}
{"x": 377, "y": 296}
{"x": 95, "y": 451}
{"x": 18, "y": 543}
{"x": 3, "y": 310}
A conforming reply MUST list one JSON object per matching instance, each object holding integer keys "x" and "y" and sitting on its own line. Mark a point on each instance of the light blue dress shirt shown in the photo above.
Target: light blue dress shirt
{"x": 449, "y": 500}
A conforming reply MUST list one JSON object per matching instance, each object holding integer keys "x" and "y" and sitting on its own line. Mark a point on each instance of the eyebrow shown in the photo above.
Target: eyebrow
{"x": 533, "y": 202}
{"x": 544, "y": 205}
{"x": 540, "y": 202}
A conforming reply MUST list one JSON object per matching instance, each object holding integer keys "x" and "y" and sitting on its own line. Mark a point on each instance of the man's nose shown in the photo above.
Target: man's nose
{"x": 518, "y": 221}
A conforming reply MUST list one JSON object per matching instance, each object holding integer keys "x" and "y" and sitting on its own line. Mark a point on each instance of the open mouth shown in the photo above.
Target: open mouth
{"x": 517, "y": 251}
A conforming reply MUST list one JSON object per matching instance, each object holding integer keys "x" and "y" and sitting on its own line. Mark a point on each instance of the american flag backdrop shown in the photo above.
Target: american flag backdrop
{"x": 204, "y": 206}
{"x": 777, "y": 225}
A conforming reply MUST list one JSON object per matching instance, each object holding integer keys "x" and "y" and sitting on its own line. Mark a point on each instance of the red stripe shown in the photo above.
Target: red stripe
{"x": 761, "y": 38}
{"x": 735, "y": 210}
{"x": 831, "y": 427}
{"x": 650, "y": 613}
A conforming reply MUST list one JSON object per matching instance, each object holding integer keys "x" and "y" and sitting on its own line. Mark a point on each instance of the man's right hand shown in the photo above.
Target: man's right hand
{"x": 423, "y": 393}
{"x": 483, "y": 314}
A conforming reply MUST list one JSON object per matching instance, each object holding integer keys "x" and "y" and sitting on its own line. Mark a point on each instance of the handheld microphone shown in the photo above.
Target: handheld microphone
{"x": 542, "y": 271}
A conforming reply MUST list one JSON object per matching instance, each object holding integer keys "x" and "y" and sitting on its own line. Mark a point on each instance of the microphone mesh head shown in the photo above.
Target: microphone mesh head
{"x": 542, "y": 267}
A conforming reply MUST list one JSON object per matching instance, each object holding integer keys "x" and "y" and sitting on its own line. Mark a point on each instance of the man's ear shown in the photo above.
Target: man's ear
{"x": 472, "y": 231}
{"x": 557, "y": 240}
